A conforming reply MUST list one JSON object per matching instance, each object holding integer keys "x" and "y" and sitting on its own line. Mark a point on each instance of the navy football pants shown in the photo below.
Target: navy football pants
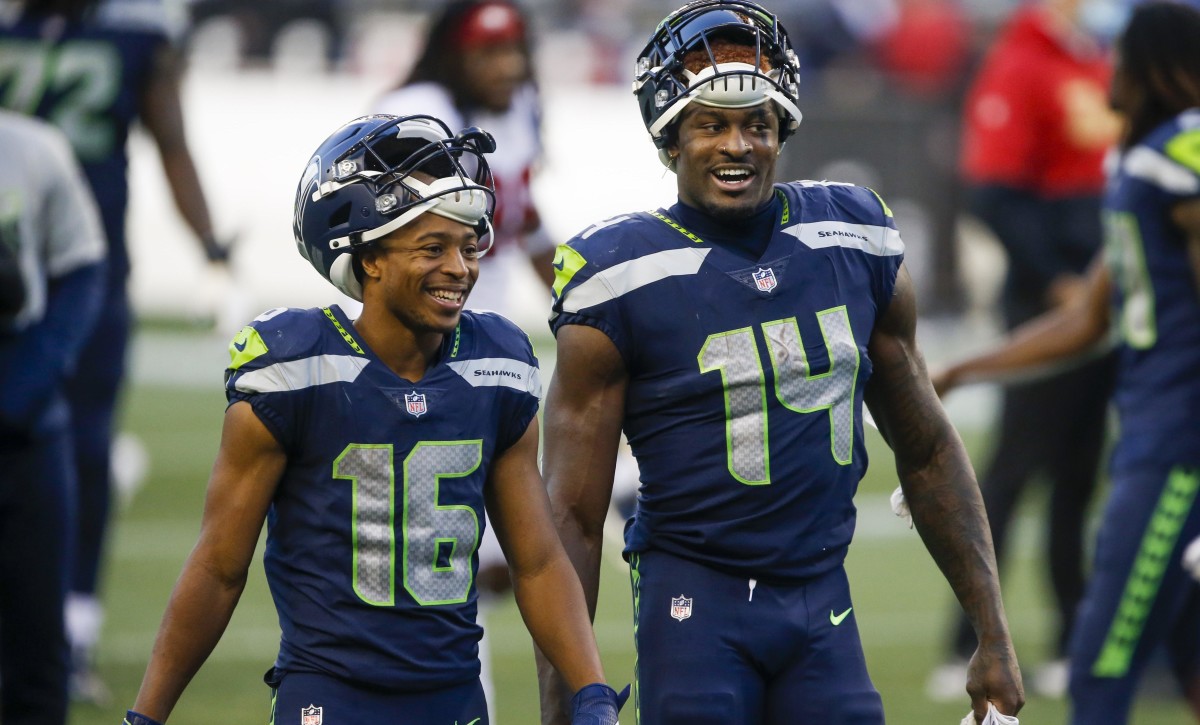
{"x": 36, "y": 525}
{"x": 1139, "y": 596}
{"x": 328, "y": 700}
{"x": 713, "y": 650}
{"x": 92, "y": 393}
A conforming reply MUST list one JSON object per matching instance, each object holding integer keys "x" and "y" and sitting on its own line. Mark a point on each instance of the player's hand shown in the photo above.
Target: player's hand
{"x": 137, "y": 718}
{"x": 597, "y": 704}
{"x": 216, "y": 251}
{"x": 993, "y": 676}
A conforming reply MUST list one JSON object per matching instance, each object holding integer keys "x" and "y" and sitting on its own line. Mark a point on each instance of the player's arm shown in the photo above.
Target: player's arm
{"x": 942, "y": 494}
{"x": 162, "y": 115}
{"x": 243, "y": 480}
{"x": 1186, "y": 215}
{"x": 584, "y": 408}
{"x": 544, "y": 582}
{"x": 1064, "y": 334}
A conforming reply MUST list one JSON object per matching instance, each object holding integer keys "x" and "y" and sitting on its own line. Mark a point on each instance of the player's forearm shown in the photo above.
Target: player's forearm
{"x": 584, "y": 556}
{"x": 948, "y": 512}
{"x": 196, "y": 617}
{"x": 552, "y": 606}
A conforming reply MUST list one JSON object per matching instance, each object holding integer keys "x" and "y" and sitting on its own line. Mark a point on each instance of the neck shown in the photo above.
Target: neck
{"x": 407, "y": 352}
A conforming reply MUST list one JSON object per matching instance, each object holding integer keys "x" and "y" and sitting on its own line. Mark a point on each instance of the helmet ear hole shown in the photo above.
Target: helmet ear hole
{"x": 340, "y": 216}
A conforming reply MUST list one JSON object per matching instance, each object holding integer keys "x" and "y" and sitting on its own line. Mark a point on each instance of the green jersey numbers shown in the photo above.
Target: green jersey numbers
{"x": 83, "y": 75}
{"x": 1127, "y": 260}
{"x": 437, "y": 540}
{"x": 737, "y": 356}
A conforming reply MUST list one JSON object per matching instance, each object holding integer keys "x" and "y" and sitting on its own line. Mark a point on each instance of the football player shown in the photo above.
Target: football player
{"x": 94, "y": 68}
{"x": 1146, "y": 288}
{"x": 371, "y": 448}
{"x": 734, "y": 337}
{"x": 50, "y": 225}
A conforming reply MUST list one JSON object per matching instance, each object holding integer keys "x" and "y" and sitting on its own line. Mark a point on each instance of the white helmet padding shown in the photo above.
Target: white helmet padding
{"x": 728, "y": 85}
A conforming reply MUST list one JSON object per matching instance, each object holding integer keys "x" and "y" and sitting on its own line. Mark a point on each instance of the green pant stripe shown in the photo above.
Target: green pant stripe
{"x": 1141, "y": 589}
{"x": 635, "y": 581}
{"x": 274, "y": 697}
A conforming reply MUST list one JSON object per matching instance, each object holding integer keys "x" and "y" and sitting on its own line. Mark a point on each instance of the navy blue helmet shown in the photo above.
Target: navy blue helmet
{"x": 663, "y": 85}
{"x": 377, "y": 173}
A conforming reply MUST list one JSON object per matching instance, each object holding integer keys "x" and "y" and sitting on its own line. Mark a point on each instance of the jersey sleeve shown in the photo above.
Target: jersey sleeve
{"x": 872, "y": 232}
{"x": 271, "y": 367}
{"x": 1173, "y": 165}
{"x": 583, "y": 292}
{"x": 505, "y": 361}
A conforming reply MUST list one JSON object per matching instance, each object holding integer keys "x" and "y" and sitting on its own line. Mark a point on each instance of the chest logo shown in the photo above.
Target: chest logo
{"x": 764, "y": 279}
{"x": 414, "y": 403}
{"x": 681, "y": 607}
{"x": 311, "y": 715}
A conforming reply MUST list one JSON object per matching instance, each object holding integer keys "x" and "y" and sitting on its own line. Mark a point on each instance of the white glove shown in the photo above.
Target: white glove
{"x": 1191, "y": 558}
{"x": 993, "y": 717}
{"x": 900, "y": 507}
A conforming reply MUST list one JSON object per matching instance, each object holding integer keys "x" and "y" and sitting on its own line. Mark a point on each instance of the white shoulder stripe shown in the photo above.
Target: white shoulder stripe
{"x": 304, "y": 373}
{"x": 1154, "y": 168}
{"x": 628, "y": 276}
{"x": 881, "y": 241}
{"x": 493, "y": 371}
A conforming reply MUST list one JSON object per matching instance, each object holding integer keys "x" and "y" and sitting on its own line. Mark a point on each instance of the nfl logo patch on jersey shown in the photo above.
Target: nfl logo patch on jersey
{"x": 311, "y": 715}
{"x": 764, "y": 279}
{"x": 414, "y": 403}
{"x": 681, "y": 607}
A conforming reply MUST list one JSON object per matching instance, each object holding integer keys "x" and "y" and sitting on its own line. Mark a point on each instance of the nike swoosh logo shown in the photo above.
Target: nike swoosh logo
{"x": 470, "y": 723}
{"x": 836, "y": 619}
{"x": 241, "y": 347}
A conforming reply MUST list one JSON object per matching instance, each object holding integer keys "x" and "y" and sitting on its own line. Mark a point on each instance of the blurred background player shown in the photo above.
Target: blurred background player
{"x": 94, "y": 68}
{"x": 1036, "y": 127}
{"x": 697, "y": 329}
{"x": 476, "y": 69}
{"x": 1146, "y": 290}
{"x": 372, "y": 446}
{"x": 50, "y": 229}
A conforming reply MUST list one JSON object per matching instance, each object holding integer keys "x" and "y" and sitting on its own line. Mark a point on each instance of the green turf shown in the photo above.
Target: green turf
{"x": 901, "y": 603}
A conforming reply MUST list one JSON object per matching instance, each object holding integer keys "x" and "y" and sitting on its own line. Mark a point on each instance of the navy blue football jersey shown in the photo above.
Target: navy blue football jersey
{"x": 372, "y": 533}
{"x": 746, "y": 375}
{"x": 1156, "y": 302}
{"x": 87, "y": 78}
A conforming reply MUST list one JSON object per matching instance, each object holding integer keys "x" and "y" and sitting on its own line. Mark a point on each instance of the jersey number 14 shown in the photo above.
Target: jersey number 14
{"x": 735, "y": 354}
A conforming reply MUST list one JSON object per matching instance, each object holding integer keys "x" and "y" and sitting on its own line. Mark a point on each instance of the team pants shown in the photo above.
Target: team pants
{"x": 1139, "y": 596}
{"x": 92, "y": 392}
{"x": 36, "y": 525}
{"x": 328, "y": 700}
{"x": 712, "y": 650}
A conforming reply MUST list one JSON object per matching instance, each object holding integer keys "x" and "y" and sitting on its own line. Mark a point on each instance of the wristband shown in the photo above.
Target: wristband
{"x": 136, "y": 718}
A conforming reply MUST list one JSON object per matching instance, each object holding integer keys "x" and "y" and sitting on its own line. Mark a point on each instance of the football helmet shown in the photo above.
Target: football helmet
{"x": 377, "y": 173}
{"x": 663, "y": 85}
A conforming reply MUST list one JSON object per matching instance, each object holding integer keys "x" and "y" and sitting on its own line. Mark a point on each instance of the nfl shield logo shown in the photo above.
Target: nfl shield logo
{"x": 414, "y": 403}
{"x": 311, "y": 715}
{"x": 681, "y": 607}
{"x": 765, "y": 279}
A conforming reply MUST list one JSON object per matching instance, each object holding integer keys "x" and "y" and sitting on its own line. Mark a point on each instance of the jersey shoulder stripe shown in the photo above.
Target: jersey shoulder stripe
{"x": 1168, "y": 158}
{"x": 134, "y": 16}
{"x": 287, "y": 349}
{"x": 498, "y": 353}
{"x": 832, "y": 214}
{"x": 625, "y": 277}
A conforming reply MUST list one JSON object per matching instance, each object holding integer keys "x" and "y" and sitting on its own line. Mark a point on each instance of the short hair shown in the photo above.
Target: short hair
{"x": 1159, "y": 54}
{"x": 724, "y": 50}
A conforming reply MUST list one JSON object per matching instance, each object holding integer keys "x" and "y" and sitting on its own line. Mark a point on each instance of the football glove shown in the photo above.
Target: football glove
{"x": 1191, "y": 558}
{"x": 137, "y": 718}
{"x": 993, "y": 717}
{"x": 597, "y": 704}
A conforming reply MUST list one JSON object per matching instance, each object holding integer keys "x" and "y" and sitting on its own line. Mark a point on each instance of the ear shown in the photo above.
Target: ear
{"x": 368, "y": 261}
